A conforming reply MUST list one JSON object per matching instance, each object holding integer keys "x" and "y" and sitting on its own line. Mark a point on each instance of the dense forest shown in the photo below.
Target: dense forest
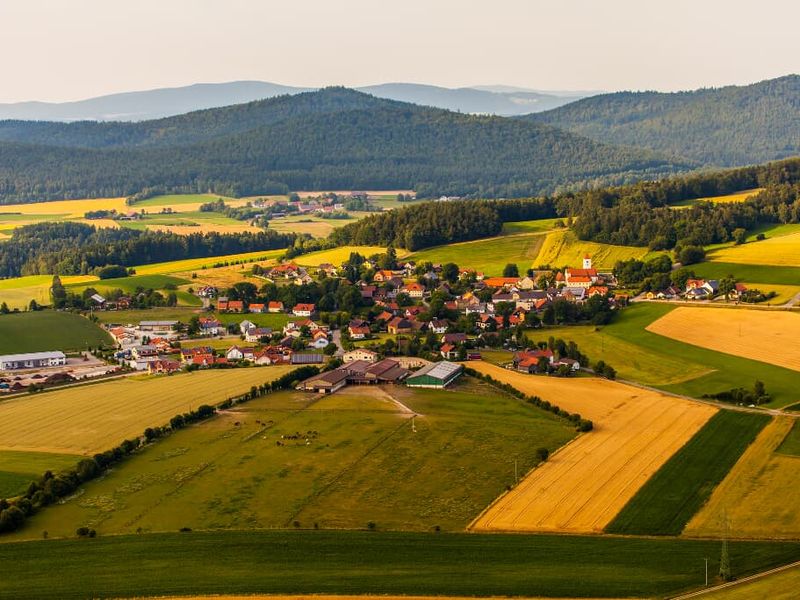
{"x": 727, "y": 126}
{"x": 332, "y": 139}
{"x": 76, "y": 248}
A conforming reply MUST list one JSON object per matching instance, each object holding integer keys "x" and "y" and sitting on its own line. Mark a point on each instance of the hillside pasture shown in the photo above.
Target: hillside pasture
{"x": 86, "y": 420}
{"x": 48, "y": 330}
{"x": 563, "y": 248}
{"x": 488, "y": 256}
{"x": 582, "y": 487}
{"x": 370, "y": 563}
{"x": 358, "y": 458}
{"x": 18, "y": 292}
{"x": 669, "y": 499}
{"x": 758, "y": 335}
{"x": 758, "y": 498}
{"x": 196, "y": 264}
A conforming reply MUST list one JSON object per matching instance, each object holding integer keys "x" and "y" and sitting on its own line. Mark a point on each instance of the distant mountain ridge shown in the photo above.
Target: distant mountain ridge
{"x": 334, "y": 138}
{"x": 728, "y": 126}
{"x": 166, "y": 102}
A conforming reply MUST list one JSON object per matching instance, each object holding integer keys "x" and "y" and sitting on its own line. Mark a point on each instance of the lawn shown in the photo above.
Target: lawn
{"x": 489, "y": 255}
{"x": 94, "y": 418}
{"x": 337, "y": 562}
{"x": 48, "y": 330}
{"x": 358, "y": 459}
{"x": 723, "y": 371}
{"x": 671, "y": 497}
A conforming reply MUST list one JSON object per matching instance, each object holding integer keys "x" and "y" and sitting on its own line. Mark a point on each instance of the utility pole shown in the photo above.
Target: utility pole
{"x": 706, "y": 571}
{"x": 516, "y": 474}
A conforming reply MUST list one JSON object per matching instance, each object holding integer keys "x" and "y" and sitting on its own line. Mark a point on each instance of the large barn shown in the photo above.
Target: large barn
{"x": 436, "y": 375}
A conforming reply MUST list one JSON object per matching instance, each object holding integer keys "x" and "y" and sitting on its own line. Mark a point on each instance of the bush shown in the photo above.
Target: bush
{"x": 112, "y": 272}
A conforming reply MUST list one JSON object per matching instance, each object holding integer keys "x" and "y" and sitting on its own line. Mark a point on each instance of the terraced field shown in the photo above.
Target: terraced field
{"x": 584, "y": 485}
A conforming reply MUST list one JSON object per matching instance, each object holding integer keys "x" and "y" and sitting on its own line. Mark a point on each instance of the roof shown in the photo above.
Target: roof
{"x": 32, "y": 356}
{"x": 440, "y": 370}
{"x": 157, "y": 323}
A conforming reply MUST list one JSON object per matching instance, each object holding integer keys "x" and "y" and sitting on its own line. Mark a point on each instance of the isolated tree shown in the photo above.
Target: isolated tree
{"x": 58, "y": 293}
{"x": 511, "y": 270}
{"x": 542, "y": 454}
{"x": 4, "y": 309}
{"x": 739, "y": 235}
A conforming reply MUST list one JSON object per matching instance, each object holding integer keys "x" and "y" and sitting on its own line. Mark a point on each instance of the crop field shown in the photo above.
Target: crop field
{"x": 314, "y": 226}
{"x": 67, "y": 209}
{"x": 18, "y": 292}
{"x": 782, "y": 585}
{"x": 370, "y": 563}
{"x": 337, "y": 256}
{"x": 48, "y": 330}
{"x": 783, "y": 250}
{"x": 196, "y": 264}
{"x": 720, "y": 371}
{"x": 162, "y": 313}
{"x": 759, "y": 335}
{"x": 785, "y": 293}
{"x": 274, "y": 320}
{"x": 669, "y": 499}
{"x": 584, "y": 485}
{"x": 562, "y": 248}
{"x": 742, "y": 196}
{"x": 86, "y": 420}
{"x": 489, "y": 255}
{"x": 359, "y": 458}
{"x": 18, "y": 469}
{"x": 758, "y": 498}
{"x": 790, "y": 445}
{"x": 129, "y": 284}
{"x": 534, "y": 226}
{"x": 763, "y": 274}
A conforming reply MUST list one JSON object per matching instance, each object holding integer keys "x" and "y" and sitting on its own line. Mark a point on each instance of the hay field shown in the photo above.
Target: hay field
{"x": 782, "y": 250}
{"x": 758, "y": 335}
{"x": 90, "y": 419}
{"x": 759, "y": 495}
{"x": 562, "y": 248}
{"x": 582, "y": 487}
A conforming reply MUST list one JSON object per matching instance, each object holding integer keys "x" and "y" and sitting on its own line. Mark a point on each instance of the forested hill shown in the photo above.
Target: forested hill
{"x": 727, "y": 126}
{"x": 331, "y": 139}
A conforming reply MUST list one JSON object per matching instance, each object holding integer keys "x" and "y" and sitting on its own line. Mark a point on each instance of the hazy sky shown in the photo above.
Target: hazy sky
{"x": 71, "y": 49}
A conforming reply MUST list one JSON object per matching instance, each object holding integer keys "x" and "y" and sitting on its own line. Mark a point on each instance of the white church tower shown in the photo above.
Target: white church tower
{"x": 587, "y": 262}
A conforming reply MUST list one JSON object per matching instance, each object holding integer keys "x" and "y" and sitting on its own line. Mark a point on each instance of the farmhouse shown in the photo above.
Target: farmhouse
{"x": 399, "y": 325}
{"x": 32, "y": 360}
{"x": 275, "y": 306}
{"x": 303, "y": 310}
{"x": 435, "y": 375}
{"x": 325, "y": 383}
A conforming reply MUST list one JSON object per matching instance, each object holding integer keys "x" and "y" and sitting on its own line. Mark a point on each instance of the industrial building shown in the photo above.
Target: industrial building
{"x": 32, "y": 360}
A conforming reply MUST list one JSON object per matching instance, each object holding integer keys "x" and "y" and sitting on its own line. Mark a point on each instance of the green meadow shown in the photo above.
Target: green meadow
{"x": 48, "y": 330}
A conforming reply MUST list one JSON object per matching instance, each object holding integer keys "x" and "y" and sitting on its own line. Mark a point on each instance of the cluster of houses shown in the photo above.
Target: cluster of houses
{"x": 544, "y": 360}
{"x": 696, "y": 289}
{"x": 19, "y": 372}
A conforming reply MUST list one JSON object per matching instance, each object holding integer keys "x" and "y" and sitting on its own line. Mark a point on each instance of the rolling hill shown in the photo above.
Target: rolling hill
{"x": 331, "y": 139}
{"x": 729, "y": 126}
{"x": 166, "y": 102}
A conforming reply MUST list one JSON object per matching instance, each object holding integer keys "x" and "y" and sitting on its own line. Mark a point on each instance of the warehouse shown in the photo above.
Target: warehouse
{"x": 436, "y": 375}
{"x": 32, "y": 360}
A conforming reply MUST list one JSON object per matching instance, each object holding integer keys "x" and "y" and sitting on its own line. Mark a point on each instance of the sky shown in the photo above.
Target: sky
{"x": 57, "y": 50}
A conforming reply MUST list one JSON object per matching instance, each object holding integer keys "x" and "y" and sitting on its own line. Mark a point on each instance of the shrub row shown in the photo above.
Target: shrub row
{"x": 51, "y": 487}
{"x": 580, "y": 423}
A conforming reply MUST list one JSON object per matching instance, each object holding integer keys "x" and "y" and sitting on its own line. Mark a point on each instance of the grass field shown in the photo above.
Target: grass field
{"x": 758, "y": 498}
{"x": 535, "y": 226}
{"x": 48, "y": 330}
{"x": 585, "y": 484}
{"x": 562, "y": 248}
{"x": 782, "y": 250}
{"x": 18, "y": 292}
{"x": 196, "y": 264}
{"x": 488, "y": 255}
{"x": 86, "y": 420}
{"x": 18, "y": 469}
{"x": 334, "y": 562}
{"x": 273, "y": 320}
{"x": 784, "y": 292}
{"x": 778, "y": 586}
{"x": 759, "y": 335}
{"x": 791, "y": 443}
{"x": 763, "y": 274}
{"x": 722, "y": 371}
{"x": 164, "y": 313}
{"x": 669, "y": 499}
{"x": 129, "y": 284}
{"x": 365, "y": 463}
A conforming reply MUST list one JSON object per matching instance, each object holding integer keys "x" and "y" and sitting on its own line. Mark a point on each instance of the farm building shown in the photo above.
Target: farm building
{"x": 157, "y": 326}
{"x": 435, "y": 375}
{"x": 325, "y": 383}
{"x": 32, "y": 360}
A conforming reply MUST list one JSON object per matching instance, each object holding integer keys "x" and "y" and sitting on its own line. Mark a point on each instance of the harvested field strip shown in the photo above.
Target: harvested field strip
{"x": 666, "y": 503}
{"x": 583, "y": 486}
{"x": 376, "y": 563}
{"x": 758, "y": 498}
{"x": 86, "y": 420}
{"x": 749, "y": 333}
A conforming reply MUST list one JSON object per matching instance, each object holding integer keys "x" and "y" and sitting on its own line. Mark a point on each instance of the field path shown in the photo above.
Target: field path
{"x": 583, "y": 486}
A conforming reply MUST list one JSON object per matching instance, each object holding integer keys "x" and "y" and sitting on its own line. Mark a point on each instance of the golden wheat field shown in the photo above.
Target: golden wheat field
{"x": 337, "y": 256}
{"x": 94, "y": 418}
{"x": 67, "y": 208}
{"x": 756, "y": 334}
{"x": 782, "y": 250}
{"x": 583, "y": 486}
{"x": 562, "y": 248}
{"x": 735, "y": 197}
{"x": 758, "y": 497}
